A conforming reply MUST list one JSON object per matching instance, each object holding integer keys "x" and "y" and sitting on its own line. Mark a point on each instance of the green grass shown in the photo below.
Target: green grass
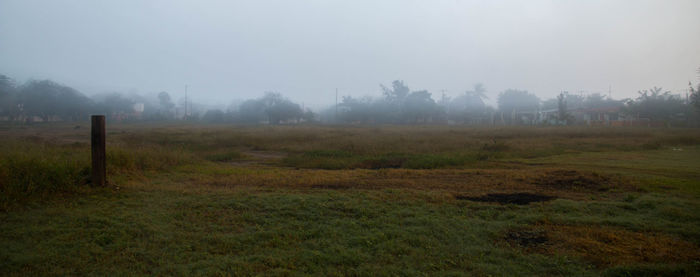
{"x": 221, "y": 200}
{"x": 668, "y": 167}
{"x": 227, "y": 156}
{"x": 334, "y": 159}
{"x": 264, "y": 232}
{"x": 41, "y": 170}
{"x": 325, "y": 232}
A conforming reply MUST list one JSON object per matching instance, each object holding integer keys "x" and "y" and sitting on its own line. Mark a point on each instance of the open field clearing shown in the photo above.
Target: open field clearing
{"x": 375, "y": 200}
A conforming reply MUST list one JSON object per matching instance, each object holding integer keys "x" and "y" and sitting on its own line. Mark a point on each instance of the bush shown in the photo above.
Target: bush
{"x": 39, "y": 171}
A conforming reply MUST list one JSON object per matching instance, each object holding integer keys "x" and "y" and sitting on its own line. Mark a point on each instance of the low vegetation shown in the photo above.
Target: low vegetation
{"x": 375, "y": 200}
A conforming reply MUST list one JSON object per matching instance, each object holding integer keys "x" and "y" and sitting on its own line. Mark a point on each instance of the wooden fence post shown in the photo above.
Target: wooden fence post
{"x": 99, "y": 157}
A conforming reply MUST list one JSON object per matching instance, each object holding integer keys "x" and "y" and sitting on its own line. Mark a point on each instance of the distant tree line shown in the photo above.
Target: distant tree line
{"x": 401, "y": 105}
{"x": 272, "y": 108}
{"x": 45, "y": 100}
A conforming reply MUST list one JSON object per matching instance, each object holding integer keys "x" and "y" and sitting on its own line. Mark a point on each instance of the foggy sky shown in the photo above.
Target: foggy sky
{"x": 226, "y": 50}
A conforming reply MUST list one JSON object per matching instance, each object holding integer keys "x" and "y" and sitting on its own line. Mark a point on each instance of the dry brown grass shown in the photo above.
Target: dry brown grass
{"x": 367, "y": 139}
{"x": 605, "y": 246}
{"x": 456, "y": 182}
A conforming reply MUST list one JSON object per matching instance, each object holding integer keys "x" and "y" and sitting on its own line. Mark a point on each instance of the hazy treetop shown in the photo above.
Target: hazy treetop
{"x": 305, "y": 49}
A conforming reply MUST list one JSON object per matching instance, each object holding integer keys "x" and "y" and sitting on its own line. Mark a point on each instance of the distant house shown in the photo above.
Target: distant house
{"x": 139, "y": 108}
{"x": 603, "y": 116}
{"x": 549, "y": 117}
{"x": 525, "y": 117}
{"x": 134, "y": 114}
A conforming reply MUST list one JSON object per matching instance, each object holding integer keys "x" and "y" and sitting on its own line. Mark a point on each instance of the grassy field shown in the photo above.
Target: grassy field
{"x": 387, "y": 200}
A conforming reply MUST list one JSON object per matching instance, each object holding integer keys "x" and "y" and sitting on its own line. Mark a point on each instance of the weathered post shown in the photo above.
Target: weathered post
{"x": 99, "y": 157}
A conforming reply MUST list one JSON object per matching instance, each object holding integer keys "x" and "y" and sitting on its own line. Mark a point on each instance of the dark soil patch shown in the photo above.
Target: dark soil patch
{"x": 522, "y": 198}
{"x": 331, "y": 186}
{"x": 575, "y": 180}
{"x": 526, "y": 238}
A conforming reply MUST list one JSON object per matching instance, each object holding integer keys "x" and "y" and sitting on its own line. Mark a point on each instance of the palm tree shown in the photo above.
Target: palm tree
{"x": 695, "y": 95}
{"x": 476, "y": 96}
{"x": 479, "y": 91}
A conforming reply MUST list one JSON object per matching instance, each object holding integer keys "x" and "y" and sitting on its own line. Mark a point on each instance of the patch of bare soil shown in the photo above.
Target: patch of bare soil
{"x": 604, "y": 246}
{"x": 457, "y": 183}
{"x": 576, "y": 180}
{"x": 526, "y": 238}
{"x": 521, "y": 198}
{"x": 332, "y": 186}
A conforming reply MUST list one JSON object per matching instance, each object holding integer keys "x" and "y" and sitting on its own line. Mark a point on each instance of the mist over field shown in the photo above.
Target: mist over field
{"x": 349, "y": 138}
{"x": 237, "y": 50}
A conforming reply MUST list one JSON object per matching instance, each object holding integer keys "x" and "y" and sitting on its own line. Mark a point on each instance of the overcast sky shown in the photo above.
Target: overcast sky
{"x": 226, "y": 50}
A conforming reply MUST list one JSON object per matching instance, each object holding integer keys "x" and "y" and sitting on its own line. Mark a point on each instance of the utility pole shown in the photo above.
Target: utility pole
{"x": 185, "y": 117}
{"x": 336, "y": 105}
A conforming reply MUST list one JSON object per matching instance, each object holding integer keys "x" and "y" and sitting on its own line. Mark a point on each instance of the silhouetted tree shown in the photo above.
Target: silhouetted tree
{"x": 511, "y": 102}
{"x": 166, "y": 105}
{"x": 271, "y": 107}
{"x": 419, "y": 107}
{"x": 563, "y": 114}
{"x": 470, "y": 106}
{"x": 356, "y": 110}
{"x": 655, "y": 104}
{"x": 214, "y": 116}
{"x": 47, "y": 98}
{"x": 252, "y": 111}
{"x": 116, "y": 105}
{"x": 280, "y": 109}
{"x": 397, "y": 93}
{"x": 394, "y": 98}
{"x": 309, "y": 116}
{"x": 695, "y": 96}
{"x": 8, "y": 97}
{"x": 598, "y": 101}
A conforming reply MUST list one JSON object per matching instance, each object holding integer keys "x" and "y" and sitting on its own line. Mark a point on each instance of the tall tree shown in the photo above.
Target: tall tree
{"x": 115, "y": 104}
{"x": 655, "y": 104}
{"x": 280, "y": 109}
{"x": 419, "y": 106}
{"x": 470, "y": 106}
{"x": 47, "y": 98}
{"x": 356, "y": 109}
{"x": 518, "y": 101}
{"x": 512, "y": 102}
{"x": 695, "y": 96}
{"x": 8, "y": 97}
{"x": 397, "y": 93}
{"x": 562, "y": 110}
{"x": 214, "y": 116}
{"x": 252, "y": 111}
{"x": 166, "y": 104}
{"x": 165, "y": 101}
{"x": 392, "y": 104}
